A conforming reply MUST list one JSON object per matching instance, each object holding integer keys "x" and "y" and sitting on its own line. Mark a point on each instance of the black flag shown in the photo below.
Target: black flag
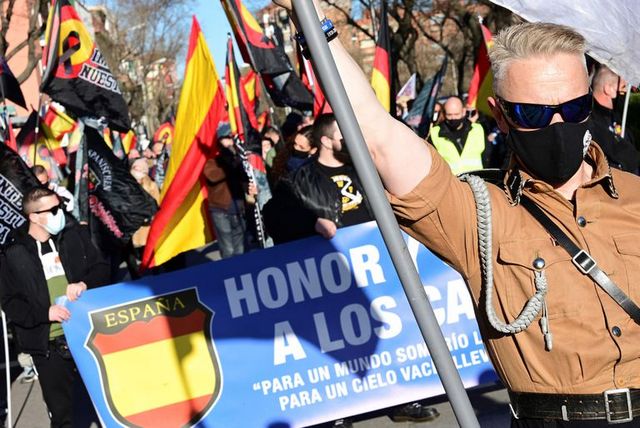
{"x": 116, "y": 201}
{"x": 15, "y": 179}
{"x": 10, "y": 86}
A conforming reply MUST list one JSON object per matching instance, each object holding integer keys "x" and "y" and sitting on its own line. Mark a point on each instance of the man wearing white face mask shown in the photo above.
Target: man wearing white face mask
{"x": 50, "y": 258}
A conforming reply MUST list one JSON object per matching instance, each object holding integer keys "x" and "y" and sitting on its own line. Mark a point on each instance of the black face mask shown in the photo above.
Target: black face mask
{"x": 454, "y": 124}
{"x": 618, "y": 103}
{"x": 552, "y": 154}
{"x": 299, "y": 154}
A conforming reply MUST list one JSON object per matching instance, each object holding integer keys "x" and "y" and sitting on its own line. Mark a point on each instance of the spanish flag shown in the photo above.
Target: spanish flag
{"x": 481, "y": 86}
{"x": 182, "y": 222}
{"x": 381, "y": 76}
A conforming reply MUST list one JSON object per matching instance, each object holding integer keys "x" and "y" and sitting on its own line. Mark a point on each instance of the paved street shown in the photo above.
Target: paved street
{"x": 490, "y": 405}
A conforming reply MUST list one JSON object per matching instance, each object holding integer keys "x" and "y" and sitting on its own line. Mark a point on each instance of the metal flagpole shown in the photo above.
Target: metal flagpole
{"x": 7, "y": 362}
{"x": 625, "y": 111}
{"x": 328, "y": 74}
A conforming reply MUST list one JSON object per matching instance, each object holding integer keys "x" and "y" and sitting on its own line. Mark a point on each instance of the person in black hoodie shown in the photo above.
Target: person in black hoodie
{"x": 52, "y": 256}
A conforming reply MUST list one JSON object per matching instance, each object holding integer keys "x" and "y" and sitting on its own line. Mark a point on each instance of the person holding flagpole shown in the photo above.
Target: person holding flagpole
{"x": 550, "y": 252}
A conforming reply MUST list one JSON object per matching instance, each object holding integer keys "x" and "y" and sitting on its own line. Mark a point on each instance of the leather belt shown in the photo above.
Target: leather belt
{"x": 614, "y": 405}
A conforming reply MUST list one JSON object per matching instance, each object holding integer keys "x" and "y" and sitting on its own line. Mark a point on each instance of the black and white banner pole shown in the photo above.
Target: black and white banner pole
{"x": 422, "y": 310}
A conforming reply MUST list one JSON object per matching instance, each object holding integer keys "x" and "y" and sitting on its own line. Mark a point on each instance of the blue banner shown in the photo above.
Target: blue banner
{"x": 294, "y": 335}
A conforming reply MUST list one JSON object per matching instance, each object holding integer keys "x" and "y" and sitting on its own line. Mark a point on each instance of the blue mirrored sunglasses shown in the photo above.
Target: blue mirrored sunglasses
{"x": 534, "y": 116}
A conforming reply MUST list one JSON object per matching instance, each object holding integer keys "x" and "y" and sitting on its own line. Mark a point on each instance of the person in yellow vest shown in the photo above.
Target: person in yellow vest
{"x": 459, "y": 141}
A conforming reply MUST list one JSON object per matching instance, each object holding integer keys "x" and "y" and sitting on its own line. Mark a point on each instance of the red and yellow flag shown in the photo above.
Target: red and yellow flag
{"x": 381, "y": 76}
{"x": 182, "y": 222}
{"x": 481, "y": 86}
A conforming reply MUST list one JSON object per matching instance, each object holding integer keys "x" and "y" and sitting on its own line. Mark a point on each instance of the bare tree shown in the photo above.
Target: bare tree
{"x": 37, "y": 13}
{"x": 422, "y": 31}
{"x": 146, "y": 38}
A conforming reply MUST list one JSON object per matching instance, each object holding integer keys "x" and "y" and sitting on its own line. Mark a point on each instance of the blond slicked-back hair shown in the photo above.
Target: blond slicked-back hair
{"x": 528, "y": 40}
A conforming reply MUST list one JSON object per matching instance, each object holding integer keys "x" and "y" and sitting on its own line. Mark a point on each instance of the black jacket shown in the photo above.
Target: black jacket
{"x": 298, "y": 201}
{"x": 23, "y": 288}
{"x": 621, "y": 152}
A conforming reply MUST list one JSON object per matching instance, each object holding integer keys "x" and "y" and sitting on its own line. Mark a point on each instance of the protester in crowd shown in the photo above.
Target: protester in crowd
{"x": 52, "y": 257}
{"x": 226, "y": 185}
{"x": 273, "y": 134}
{"x": 43, "y": 177}
{"x": 296, "y": 152}
{"x": 292, "y": 123}
{"x": 608, "y": 90}
{"x": 580, "y": 365}
{"x": 458, "y": 140}
{"x": 140, "y": 171}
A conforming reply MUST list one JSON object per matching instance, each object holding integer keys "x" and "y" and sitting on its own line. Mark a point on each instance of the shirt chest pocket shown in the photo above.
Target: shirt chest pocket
{"x": 628, "y": 247}
{"x": 516, "y": 260}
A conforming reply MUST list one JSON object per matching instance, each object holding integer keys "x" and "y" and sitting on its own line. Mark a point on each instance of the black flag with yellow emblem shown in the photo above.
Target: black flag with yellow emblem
{"x": 76, "y": 74}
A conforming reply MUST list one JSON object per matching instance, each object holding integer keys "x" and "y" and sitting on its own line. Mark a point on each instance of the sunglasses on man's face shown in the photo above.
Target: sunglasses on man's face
{"x": 53, "y": 210}
{"x": 534, "y": 116}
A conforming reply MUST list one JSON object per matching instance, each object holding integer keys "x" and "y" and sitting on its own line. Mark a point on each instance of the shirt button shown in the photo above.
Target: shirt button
{"x": 621, "y": 381}
{"x": 538, "y": 263}
{"x": 582, "y": 222}
{"x": 616, "y": 331}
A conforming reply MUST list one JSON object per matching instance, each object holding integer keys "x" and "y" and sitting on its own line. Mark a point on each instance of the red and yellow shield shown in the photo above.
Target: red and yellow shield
{"x": 157, "y": 361}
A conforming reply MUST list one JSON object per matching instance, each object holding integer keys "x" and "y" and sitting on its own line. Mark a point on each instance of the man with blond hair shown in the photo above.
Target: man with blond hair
{"x": 573, "y": 358}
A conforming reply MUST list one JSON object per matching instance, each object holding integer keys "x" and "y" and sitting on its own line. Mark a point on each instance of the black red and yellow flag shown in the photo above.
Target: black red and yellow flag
{"x": 381, "y": 78}
{"x": 76, "y": 74}
{"x": 270, "y": 60}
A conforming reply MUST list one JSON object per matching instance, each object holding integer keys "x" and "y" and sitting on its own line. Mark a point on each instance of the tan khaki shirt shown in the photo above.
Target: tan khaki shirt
{"x": 587, "y": 357}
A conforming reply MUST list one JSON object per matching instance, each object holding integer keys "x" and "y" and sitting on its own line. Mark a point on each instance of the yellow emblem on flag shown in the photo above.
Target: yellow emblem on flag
{"x": 158, "y": 364}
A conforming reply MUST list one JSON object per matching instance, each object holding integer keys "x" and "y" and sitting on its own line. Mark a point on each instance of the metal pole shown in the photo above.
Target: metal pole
{"x": 625, "y": 112}
{"x": 5, "y": 336}
{"x": 334, "y": 88}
